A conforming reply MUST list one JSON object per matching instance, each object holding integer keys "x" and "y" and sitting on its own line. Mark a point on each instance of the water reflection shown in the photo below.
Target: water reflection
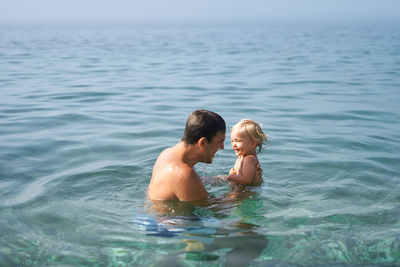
{"x": 207, "y": 229}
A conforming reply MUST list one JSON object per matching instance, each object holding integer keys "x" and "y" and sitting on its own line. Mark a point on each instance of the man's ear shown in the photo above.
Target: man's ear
{"x": 202, "y": 142}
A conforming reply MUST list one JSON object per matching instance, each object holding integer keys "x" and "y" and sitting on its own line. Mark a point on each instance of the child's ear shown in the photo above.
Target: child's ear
{"x": 254, "y": 143}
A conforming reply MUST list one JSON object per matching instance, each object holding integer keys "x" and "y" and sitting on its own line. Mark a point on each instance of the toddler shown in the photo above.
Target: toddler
{"x": 246, "y": 136}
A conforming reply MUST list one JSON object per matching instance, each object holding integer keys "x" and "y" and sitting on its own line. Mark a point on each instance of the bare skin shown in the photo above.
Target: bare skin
{"x": 173, "y": 175}
{"x": 245, "y": 169}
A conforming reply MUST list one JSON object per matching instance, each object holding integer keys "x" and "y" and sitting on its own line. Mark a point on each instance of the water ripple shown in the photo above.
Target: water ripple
{"x": 86, "y": 110}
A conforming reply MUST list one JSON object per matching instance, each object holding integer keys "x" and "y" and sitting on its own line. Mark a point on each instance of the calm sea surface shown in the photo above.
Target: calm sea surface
{"x": 85, "y": 111}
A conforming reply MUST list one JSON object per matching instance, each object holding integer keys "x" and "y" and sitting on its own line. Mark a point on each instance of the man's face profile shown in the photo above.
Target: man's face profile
{"x": 217, "y": 142}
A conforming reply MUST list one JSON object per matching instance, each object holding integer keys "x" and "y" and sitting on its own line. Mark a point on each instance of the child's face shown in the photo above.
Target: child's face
{"x": 242, "y": 144}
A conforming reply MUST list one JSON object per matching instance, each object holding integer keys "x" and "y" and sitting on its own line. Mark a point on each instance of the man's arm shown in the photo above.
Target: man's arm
{"x": 190, "y": 186}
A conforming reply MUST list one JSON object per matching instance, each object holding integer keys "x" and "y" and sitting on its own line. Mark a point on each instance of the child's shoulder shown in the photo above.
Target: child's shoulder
{"x": 251, "y": 159}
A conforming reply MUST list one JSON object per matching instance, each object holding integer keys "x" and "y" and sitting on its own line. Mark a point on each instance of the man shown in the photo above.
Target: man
{"x": 173, "y": 173}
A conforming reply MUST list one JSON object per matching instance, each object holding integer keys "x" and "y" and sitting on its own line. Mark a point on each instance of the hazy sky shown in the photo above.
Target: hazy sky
{"x": 134, "y": 10}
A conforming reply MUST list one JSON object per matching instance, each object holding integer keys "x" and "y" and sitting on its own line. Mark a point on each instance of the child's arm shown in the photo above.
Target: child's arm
{"x": 232, "y": 171}
{"x": 246, "y": 171}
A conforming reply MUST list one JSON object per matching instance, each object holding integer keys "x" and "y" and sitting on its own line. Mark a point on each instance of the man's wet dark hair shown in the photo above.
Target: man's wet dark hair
{"x": 202, "y": 123}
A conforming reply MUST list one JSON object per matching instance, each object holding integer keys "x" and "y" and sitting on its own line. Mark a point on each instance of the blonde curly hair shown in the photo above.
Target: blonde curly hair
{"x": 252, "y": 130}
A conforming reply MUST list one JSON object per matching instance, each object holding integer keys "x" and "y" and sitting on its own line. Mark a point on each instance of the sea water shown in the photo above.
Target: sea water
{"x": 86, "y": 109}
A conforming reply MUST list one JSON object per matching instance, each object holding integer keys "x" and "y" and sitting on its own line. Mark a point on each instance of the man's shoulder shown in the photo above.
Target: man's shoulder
{"x": 165, "y": 152}
{"x": 176, "y": 169}
{"x": 184, "y": 171}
